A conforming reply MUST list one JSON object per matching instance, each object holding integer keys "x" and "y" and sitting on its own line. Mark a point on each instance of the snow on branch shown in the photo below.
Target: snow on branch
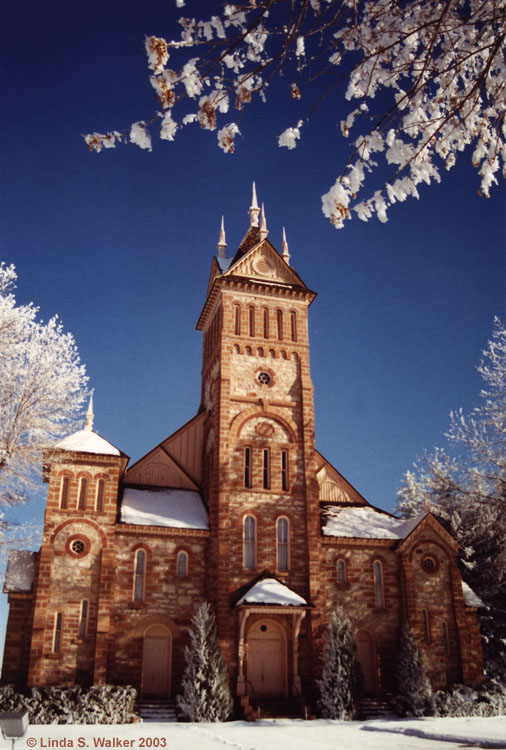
{"x": 439, "y": 65}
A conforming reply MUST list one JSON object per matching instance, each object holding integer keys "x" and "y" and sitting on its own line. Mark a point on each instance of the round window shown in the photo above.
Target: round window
{"x": 430, "y": 564}
{"x": 264, "y": 378}
{"x": 78, "y": 546}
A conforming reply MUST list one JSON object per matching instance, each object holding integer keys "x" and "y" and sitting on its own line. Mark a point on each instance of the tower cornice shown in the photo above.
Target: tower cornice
{"x": 255, "y": 286}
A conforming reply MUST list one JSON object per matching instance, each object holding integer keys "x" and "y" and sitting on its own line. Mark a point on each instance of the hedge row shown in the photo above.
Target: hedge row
{"x": 101, "y": 704}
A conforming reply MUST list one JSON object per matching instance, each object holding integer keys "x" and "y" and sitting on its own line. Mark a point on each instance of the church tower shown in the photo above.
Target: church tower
{"x": 259, "y": 454}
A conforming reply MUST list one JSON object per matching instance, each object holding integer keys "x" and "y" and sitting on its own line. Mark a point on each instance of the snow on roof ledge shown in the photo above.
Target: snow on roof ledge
{"x": 270, "y": 591}
{"x": 470, "y": 598}
{"x": 367, "y": 523}
{"x": 86, "y": 441}
{"x": 174, "y": 508}
{"x": 20, "y": 571}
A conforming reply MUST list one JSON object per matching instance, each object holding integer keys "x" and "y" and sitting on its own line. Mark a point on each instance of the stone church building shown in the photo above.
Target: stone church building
{"x": 239, "y": 508}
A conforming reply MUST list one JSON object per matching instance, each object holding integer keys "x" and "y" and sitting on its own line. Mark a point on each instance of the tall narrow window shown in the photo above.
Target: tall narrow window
{"x": 293, "y": 326}
{"x": 99, "y": 504}
{"x": 284, "y": 470}
{"x": 58, "y": 622}
{"x": 282, "y": 533}
{"x": 83, "y": 489}
{"x": 341, "y": 571}
{"x": 64, "y": 492}
{"x": 247, "y": 467}
{"x": 182, "y": 564}
{"x": 279, "y": 321}
{"x": 446, "y": 641}
{"x": 266, "y": 460}
{"x": 249, "y": 542}
{"x": 378, "y": 585}
{"x": 251, "y": 321}
{"x": 266, "y": 323}
{"x": 237, "y": 320}
{"x": 139, "y": 575}
{"x": 426, "y": 625}
{"x": 83, "y": 619}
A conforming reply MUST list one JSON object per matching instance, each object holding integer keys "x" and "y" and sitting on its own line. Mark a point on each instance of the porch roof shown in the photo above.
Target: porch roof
{"x": 272, "y": 592}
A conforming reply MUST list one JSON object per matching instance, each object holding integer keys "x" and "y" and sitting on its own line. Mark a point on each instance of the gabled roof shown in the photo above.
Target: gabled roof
{"x": 180, "y": 509}
{"x": 175, "y": 462}
{"x": 334, "y": 488}
{"x": 256, "y": 262}
{"x": 87, "y": 441}
{"x": 271, "y": 592}
{"x": 367, "y": 523}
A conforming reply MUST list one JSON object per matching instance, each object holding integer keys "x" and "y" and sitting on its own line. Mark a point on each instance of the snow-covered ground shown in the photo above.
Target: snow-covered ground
{"x": 281, "y": 734}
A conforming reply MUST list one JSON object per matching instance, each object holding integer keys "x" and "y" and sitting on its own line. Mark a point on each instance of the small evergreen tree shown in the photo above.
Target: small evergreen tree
{"x": 413, "y": 686}
{"x": 339, "y": 681}
{"x": 206, "y": 693}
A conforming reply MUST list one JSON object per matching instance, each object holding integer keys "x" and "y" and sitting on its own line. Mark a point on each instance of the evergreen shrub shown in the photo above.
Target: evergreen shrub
{"x": 488, "y": 699}
{"x": 100, "y": 704}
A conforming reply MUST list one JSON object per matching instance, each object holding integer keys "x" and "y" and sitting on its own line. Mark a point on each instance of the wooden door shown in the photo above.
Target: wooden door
{"x": 156, "y": 661}
{"x": 366, "y": 656}
{"x": 266, "y": 660}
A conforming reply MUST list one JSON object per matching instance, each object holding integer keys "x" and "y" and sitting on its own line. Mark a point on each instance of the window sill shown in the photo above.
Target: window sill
{"x": 137, "y": 605}
{"x": 54, "y": 656}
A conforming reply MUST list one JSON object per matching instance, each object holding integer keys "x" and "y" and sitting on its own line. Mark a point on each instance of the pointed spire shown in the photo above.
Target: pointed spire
{"x": 285, "y": 254}
{"x": 222, "y": 243}
{"x": 88, "y": 425}
{"x": 263, "y": 225}
{"x": 254, "y": 210}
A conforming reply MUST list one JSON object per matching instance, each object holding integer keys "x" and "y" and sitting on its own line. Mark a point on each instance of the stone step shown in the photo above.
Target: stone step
{"x": 374, "y": 708}
{"x": 157, "y": 711}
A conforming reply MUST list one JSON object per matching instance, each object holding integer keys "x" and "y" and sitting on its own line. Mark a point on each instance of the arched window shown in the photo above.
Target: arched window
{"x": 341, "y": 571}
{"x": 64, "y": 492}
{"x": 284, "y": 471}
{"x": 83, "y": 619}
{"x": 83, "y": 489}
{"x": 293, "y": 326}
{"x": 283, "y": 542}
{"x": 446, "y": 640}
{"x": 266, "y": 322}
{"x": 182, "y": 564}
{"x": 237, "y": 320}
{"x": 139, "y": 575}
{"x": 266, "y": 467}
{"x": 279, "y": 321}
{"x": 251, "y": 314}
{"x": 378, "y": 585}
{"x": 426, "y": 625}
{"x": 247, "y": 466}
{"x": 58, "y": 623}
{"x": 249, "y": 542}
{"x": 99, "y": 502}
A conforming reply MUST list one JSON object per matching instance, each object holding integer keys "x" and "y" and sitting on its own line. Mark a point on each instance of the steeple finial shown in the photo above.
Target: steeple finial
{"x": 285, "y": 254}
{"x": 263, "y": 225}
{"x": 88, "y": 425}
{"x": 254, "y": 210}
{"x": 222, "y": 243}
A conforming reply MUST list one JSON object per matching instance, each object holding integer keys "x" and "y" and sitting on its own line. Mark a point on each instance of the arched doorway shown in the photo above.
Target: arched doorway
{"x": 266, "y": 660}
{"x": 156, "y": 661}
{"x": 366, "y": 656}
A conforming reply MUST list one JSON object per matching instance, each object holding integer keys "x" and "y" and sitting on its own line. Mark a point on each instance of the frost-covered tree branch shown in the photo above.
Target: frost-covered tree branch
{"x": 465, "y": 486}
{"x": 417, "y": 81}
{"x": 42, "y": 389}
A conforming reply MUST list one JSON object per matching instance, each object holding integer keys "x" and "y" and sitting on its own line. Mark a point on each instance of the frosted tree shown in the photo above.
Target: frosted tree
{"x": 414, "y": 693}
{"x": 339, "y": 682}
{"x": 465, "y": 487}
{"x": 416, "y": 81}
{"x": 42, "y": 389}
{"x": 205, "y": 690}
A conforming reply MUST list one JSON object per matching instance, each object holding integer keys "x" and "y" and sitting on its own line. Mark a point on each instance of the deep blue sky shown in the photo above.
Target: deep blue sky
{"x": 120, "y": 244}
